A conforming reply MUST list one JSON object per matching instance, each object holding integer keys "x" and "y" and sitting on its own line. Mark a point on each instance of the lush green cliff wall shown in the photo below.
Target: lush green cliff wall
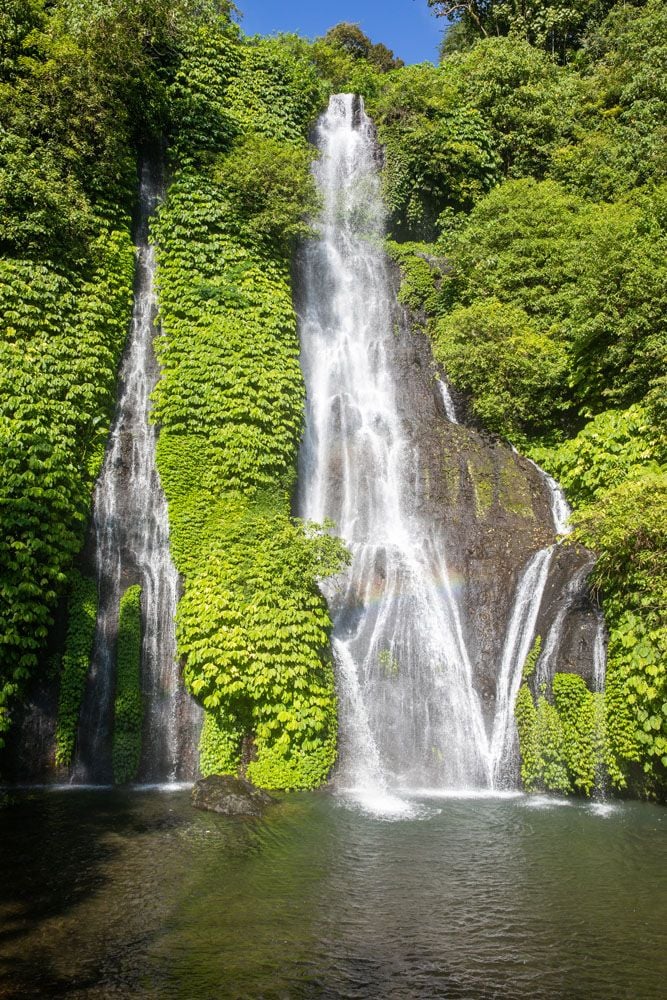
{"x": 67, "y": 178}
{"x": 83, "y": 87}
{"x": 252, "y": 626}
{"x": 527, "y": 201}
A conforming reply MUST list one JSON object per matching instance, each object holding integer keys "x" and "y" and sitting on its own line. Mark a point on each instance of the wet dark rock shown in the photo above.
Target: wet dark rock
{"x": 230, "y": 796}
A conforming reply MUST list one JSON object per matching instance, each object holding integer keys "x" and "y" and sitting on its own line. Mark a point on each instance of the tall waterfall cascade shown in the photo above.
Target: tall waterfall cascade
{"x": 412, "y": 712}
{"x": 130, "y": 538}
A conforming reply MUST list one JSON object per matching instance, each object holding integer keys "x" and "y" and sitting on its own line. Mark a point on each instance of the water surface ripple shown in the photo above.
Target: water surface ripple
{"x": 133, "y": 894}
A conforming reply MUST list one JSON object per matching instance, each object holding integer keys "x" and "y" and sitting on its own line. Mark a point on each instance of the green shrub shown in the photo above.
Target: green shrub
{"x": 614, "y": 446}
{"x": 626, "y": 527}
{"x": 433, "y": 165}
{"x": 513, "y": 371}
{"x": 561, "y": 738}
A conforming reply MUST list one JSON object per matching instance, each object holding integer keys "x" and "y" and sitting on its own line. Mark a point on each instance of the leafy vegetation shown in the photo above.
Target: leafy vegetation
{"x": 81, "y": 616}
{"x": 558, "y": 26}
{"x": 128, "y": 712}
{"x": 563, "y": 738}
{"x": 490, "y": 350}
{"x": 351, "y": 39}
{"x": 58, "y": 354}
{"x": 86, "y": 89}
{"x": 252, "y": 625}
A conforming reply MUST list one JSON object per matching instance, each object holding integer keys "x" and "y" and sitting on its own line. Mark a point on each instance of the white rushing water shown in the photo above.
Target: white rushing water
{"x": 410, "y": 715}
{"x": 518, "y": 640}
{"x": 131, "y": 538}
{"x": 447, "y": 401}
{"x": 600, "y": 655}
{"x": 560, "y": 508}
{"x": 521, "y": 632}
{"x": 409, "y": 712}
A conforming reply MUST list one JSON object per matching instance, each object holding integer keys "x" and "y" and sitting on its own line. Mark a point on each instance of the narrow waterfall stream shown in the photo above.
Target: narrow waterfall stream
{"x": 131, "y": 545}
{"x": 447, "y": 401}
{"x": 406, "y": 624}
{"x": 521, "y": 631}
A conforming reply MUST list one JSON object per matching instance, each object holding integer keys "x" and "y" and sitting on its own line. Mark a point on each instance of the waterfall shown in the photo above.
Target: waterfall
{"x": 409, "y": 712}
{"x": 518, "y": 640}
{"x": 521, "y": 633}
{"x": 411, "y": 664}
{"x": 447, "y": 401}
{"x": 130, "y": 532}
{"x": 600, "y": 654}
{"x": 560, "y": 508}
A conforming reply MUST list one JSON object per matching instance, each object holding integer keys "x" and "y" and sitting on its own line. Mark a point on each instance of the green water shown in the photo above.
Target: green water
{"x": 134, "y": 894}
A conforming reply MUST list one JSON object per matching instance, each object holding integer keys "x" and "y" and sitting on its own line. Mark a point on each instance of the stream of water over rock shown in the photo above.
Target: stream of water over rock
{"x": 426, "y": 684}
{"x": 130, "y": 534}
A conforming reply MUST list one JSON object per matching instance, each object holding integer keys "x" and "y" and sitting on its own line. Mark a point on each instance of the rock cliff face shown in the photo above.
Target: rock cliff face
{"x": 492, "y": 508}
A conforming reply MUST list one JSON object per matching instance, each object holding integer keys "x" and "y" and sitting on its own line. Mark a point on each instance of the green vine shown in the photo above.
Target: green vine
{"x": 128, "y": 711}
{"x": 82, "y": 615}
{"x": 562, "y": 735}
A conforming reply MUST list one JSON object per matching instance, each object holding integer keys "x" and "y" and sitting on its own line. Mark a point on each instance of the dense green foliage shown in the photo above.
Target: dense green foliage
{"x": 81, "y": 86}
{"x": 252, "y": 625}
{"x": 128, "y": 713}
{"x": 58, "y": 355}
{"x": 563, "y": 739}
{"x": 351, "y": 40}
{"x": 558, "y": 26}
{"x": 627, "y": 526}
{"x": 81, "y": 618}
{"x": 489, "y": 349}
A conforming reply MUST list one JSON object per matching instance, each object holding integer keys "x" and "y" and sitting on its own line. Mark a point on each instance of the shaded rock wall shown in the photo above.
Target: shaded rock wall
{"x": 492, "y": 509}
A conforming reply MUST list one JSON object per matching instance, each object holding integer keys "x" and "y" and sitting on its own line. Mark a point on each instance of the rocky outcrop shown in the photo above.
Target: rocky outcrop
{"x": 230, "y": 796}
{"x": 490, "y": 508}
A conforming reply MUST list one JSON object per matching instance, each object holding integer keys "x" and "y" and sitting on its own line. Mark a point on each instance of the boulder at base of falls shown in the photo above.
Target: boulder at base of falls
{"x": 223, "y": 793}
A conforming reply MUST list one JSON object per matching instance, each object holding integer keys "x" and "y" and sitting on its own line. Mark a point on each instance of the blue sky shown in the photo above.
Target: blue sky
{"x": 406, "y": 26}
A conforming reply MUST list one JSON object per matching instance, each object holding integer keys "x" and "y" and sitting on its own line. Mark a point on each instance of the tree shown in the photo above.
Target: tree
{"x": 555, "y": 25}
{"x": 352, "y": 40}
{"x": 514, "y": 372}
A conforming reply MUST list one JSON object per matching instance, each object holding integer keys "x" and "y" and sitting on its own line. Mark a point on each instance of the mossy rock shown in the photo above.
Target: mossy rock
{"x": 230, "y": 796}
